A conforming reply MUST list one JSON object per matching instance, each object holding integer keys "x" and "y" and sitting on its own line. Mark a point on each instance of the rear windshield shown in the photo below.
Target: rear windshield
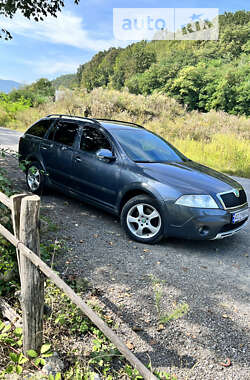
{"x": 143, "y": 146}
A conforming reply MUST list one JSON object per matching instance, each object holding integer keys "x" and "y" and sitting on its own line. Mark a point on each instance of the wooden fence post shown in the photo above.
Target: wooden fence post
{"x": 16, "y": 201}
{"x": 32, "y": 281}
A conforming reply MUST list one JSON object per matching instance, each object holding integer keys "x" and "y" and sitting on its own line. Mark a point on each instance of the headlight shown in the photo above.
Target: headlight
{"x": 201, "y": 201}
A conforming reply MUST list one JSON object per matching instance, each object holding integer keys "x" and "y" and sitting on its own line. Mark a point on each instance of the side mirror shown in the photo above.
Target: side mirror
{"x": 105, "y": 155}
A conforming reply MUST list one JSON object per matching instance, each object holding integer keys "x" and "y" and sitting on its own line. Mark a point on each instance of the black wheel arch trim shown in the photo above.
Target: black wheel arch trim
{"x": 35, "y": 158}
{"x": 137, "y": 189}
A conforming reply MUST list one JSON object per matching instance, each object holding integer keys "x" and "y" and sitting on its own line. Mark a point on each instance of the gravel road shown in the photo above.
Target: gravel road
{"x": 212, "y": 277}
{"x": 9, "y": 138}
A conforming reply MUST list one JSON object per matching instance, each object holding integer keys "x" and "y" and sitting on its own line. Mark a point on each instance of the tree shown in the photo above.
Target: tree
{"x": 204, "y": 75}
{"x": 36, "y": 93}
{"x": 91, "y": 72}
{"x": 187, "y": 85}
{"x": 67, "y": 81}
{"x": 31, "y": 9}
{"x": 134, "y": 59}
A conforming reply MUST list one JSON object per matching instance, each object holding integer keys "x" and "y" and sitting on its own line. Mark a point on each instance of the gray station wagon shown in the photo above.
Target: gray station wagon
{"x": 135, "y": 174}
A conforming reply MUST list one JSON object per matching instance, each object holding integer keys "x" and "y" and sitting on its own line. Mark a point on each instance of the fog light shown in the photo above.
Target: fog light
{"x": 203, "y": 230}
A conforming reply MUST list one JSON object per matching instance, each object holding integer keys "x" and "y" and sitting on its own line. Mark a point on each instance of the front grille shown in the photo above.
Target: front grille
{"x": 230, "y": 200}
{"x": 231, "y": 226}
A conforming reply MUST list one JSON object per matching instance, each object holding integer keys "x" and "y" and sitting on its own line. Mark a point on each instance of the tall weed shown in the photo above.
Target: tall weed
{"x": 216, "y": 139}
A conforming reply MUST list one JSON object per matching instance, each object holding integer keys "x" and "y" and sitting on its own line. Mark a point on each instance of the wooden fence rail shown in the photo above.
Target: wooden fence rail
{"x": 5, "y": 200}
{"x": 25, "y": 216}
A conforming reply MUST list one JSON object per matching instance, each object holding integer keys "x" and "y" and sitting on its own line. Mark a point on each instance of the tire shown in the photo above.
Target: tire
{"x": 35, "y": 178}
{"x": 137, "y": 220}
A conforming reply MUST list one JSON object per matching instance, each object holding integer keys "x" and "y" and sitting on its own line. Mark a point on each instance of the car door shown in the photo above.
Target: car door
{"x": 58, "y": 151}
{"x": 29, "y": 144}
{"x": 93, "y": 177}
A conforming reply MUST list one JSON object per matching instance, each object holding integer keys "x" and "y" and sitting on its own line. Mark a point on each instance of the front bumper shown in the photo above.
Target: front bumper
{"x": 222, "y": 235}
{"x": 201, "y": 224}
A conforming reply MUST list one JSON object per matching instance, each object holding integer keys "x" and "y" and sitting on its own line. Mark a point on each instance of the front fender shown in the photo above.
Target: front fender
{"x": 138, "y": 187}
{"x": 35, "y": 157}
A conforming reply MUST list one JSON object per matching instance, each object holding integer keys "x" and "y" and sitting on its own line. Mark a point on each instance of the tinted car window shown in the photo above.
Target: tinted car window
{"x": 51, "y": 133}
{"x": 40, "y": 128}
{"x": 66, "y": 133}
{"x": 92, "y": 140}
{"x": 143, "y": 146}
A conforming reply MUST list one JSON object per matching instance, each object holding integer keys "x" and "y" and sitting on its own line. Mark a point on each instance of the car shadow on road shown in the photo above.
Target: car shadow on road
{"x": 171, "y": 356}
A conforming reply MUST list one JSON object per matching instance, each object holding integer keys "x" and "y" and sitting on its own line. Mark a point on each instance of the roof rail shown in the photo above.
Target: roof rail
{"x": 73, "y": 117}
{"x": 93, "y": 120}
{"x": 120, "y": 121}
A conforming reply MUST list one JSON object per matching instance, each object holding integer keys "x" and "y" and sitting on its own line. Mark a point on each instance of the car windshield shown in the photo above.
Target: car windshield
{"x": 144, "y": 146}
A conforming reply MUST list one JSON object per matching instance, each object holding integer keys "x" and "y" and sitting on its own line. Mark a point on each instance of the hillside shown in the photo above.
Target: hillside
{"x": 8, "y": 85}
{"x": 202, "y": 75}
{"x": 196, "y": 94}
{"x": 67, "y": 81}
{"x": 214, "y": 138}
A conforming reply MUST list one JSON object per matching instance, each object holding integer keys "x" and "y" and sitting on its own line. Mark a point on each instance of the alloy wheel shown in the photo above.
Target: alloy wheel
{"x": 33, "y": 178}
{"x": 144, "y": 221}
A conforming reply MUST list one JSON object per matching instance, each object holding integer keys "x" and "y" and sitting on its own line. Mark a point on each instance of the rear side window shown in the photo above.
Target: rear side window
{"x": 66, "y": 133}
{"x": 40, "y": 128}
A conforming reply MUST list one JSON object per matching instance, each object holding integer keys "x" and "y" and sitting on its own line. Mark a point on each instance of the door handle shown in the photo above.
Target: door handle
{"x": 78, "y": 159}
{"x": 46, "y": 147}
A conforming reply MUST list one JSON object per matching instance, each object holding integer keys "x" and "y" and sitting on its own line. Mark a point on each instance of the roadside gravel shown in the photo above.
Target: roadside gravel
{"x": 212, "y": 277}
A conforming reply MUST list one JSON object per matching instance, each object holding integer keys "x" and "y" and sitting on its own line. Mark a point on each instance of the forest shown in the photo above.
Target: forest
{"x": 202, "y": 75}
{"x": 196, "y": 94}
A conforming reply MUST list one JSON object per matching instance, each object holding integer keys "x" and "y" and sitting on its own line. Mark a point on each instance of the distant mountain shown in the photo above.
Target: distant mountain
{"x": 8, "y": 85}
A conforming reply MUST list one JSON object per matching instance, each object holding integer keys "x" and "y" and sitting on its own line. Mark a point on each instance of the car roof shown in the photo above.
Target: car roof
{"x": 115, "y": 124}
{"x": 106, "y": 123}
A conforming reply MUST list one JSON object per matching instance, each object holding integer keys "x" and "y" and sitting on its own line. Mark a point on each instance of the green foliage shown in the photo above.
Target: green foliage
{"x": 202, "y": 75}
{"x": 200, "y": 135}
{"x": 116, "y": 66}
{"x": 36, "y": 10}
{"x": 66, "y": 81}
{"x": 51, "y": 248}
{"x": 133, "y": 60}
{"x": 228, "y": 153}
{"x": 11, "y": 340}
{"x": 187, "y": 85}
{"x": 36, "y": 93}
{"x": 50, "y": 226}
{"x": 164, "y": 317}
{"x": 9, "y": 108}
{"x": 177, "y": 313}
{"x": 102, "y": 356}
{"x": 8, "y": 264}
{"x": 158, "y": 292}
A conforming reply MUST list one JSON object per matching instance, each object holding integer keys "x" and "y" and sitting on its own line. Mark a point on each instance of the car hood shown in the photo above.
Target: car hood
{"x": 189, "y": 177}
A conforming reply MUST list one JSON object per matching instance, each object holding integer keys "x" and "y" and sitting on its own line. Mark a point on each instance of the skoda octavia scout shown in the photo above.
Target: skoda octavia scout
{"x": 135, "y": 174}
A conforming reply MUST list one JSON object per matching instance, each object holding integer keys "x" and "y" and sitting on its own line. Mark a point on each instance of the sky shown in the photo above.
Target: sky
{"x": 59, "y": 45}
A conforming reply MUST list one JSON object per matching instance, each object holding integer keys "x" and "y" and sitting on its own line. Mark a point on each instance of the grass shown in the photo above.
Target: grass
{"x": 225, "y": 153}
{"x": 215, "y": 139}
{"x": 82, "y": 346}
{"x": 84, "y": 349}
{"x": 163, "y": 317}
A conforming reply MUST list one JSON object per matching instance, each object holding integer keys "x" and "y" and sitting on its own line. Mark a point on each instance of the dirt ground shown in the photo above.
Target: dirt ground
{"x": 212, "y": 277}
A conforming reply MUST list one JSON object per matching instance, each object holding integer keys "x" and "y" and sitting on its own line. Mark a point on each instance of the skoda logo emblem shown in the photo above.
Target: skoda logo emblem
{"x": 237, "y": 193}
